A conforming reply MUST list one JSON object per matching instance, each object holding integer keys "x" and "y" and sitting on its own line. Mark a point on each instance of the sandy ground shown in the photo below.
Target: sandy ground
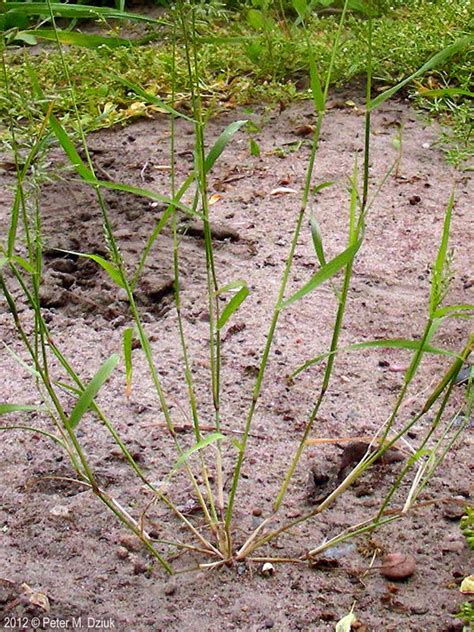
{"x": 58, "y": 539}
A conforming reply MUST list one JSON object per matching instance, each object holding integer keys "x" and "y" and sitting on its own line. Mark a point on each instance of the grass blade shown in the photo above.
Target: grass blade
{"x": 91, "y": 390}
{"x": 151, "y": 98}
{"x": 445, "y": 92}
{"x": 418, "y": 356}
{"x": 211, "y": 438}
{"x": 37, "y": 430}
{"x": 74, "y": 11}
{"x": 15, "y": 408}
{"x": 73, "y": 38}
{"x": 440, "y": 58}
{"x": 70, "y": 150}
{"x": 221, "y": 143}
{"x": 127, "y": 354}
{"x": 317, "y": 240}
{"x": 26, "y": 265}
{"x": 16, "y": 357}
{"x": 233, "y": 305}
{"x": 316, "y": 89}
{"x": 157, "y": 197}
{"x": 109, "y": 267}
{"x": 395, "y": 343}
{"x": 326, "y": 272}
{"x": 453, "y": 310}
{"x": 440, "y": 280}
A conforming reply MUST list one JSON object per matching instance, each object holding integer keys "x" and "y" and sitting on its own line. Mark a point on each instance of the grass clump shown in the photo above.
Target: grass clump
{"x": 216, "y": 538}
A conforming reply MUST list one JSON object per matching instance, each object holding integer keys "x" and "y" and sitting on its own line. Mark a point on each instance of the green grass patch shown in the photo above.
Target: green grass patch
{"x": 239, "y": 63}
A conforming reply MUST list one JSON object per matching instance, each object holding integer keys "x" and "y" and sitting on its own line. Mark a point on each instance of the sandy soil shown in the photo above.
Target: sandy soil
{"x": 58, "y": 539}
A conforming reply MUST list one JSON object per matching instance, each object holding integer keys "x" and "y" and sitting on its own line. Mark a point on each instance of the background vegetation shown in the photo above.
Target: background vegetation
{"x": 247, "y": 52}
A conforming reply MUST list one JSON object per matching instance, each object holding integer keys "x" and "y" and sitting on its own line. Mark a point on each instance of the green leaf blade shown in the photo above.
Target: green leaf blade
{"x": 439, "y": 58}
{"x": 221, "y": 143}
{"x": 439, "y": 280}
{"x": 73, "y": 38}
{"x": 232, "y": 306}
{"x": 316, "y": 89}
{"x": 109, "y": 267}
{"x": 85, "y": 400}
{"x": 211, "y": 438}
{"x": 127, "y": 354}
{"x": 69, "y": 149}
{"x": 317, "y": 240}
{"x": 387, "y": 343}
{"x": 5, "y": 409}
{"x": 326, "y": 272}
{"x": 74, "y": 11}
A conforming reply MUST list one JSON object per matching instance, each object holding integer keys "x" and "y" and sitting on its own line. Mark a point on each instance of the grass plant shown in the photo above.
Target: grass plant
{"x": 21, "y": 265}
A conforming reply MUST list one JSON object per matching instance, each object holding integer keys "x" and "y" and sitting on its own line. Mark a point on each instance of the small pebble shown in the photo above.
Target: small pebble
{"x": 60, "y": 511}
{"x": 396, "y": 566}
{"x": 419, "y": 609}
{"x": 293, "y": 513}
{"x": 269, "y": 624}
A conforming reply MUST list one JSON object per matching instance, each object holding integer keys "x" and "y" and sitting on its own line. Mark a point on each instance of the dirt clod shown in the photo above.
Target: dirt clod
{"x": 122, "y": 553}
{"x": 170, "y": 588}
{"x": 220, "y": 232}
{"x": 130, "y": 542}
{"x": 322, "y": 480}
{"x": 139, "y": 566}
{"x": 304, "y": 130}
{"x": 454, "y": 508}
{"x": 354, "y": 452}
